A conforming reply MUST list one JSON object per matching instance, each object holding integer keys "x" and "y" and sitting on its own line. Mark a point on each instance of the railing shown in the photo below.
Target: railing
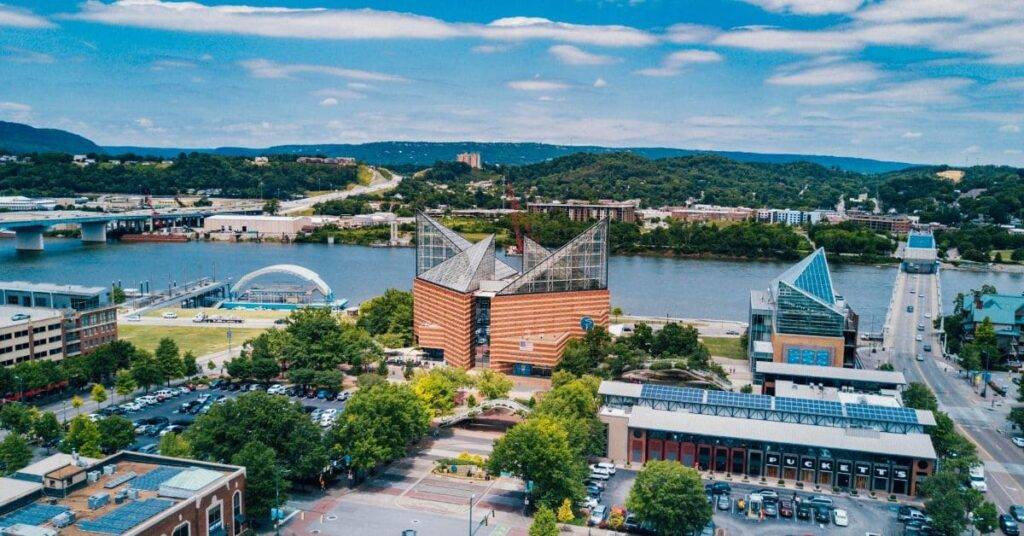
{"x": 470, "y": 413}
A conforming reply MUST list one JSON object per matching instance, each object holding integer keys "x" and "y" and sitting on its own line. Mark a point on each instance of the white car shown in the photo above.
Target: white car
{"x": 183, "y": 390}
{"x": 133, "y": 318}
{"x": 590, "y": 503}
{"x": 147, "y": 400}
{"x": 599, "y": 475}
{"x": 1019, "y": 441}
{"x": 131, "y": 406}
{"x": 927, "y": 315}
{"x": 840, "y": 518}
{"x": 608, "y": 467}
{"x": 170, "y": 315}
{"x": 918, "y": 338}
{"x": 95, "y": 417}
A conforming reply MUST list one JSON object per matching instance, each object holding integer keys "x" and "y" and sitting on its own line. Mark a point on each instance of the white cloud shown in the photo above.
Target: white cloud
{"x": 344, "y": 24}
{"x": 22, "y": 18}
{"x": 973, "y": 149}
{"x": 1009, "y": 129}
{"x": 262, "y": 68}
{"x": 836, "y": 39}
{"x": 690, "y": 34}
{"x": 827, "y": 75}
{"x": 1012, "y": 151}
{"x": 16, "y": 111}
{"x": 489, "y": 49}
{"x": 808, "y": 7}
{"x": 911, "y": 135}
{"x": 537, "y": 84}
{"x": 329, "y": 101}
{"x": 171, "y": 64}
{"x": 21, "y": 55}
{"x": 975, "y": 10}
{"x": 571, "y": 55}
{"x": 144, "y": 122}
{"x": 674, "y": 63}
{"x": 351, "y": 92}
{"x": 940, "y": 90}
{"x": 600, "y": 82}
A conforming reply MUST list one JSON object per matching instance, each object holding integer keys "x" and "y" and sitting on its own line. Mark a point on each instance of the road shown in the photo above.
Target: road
{"x": 378, "y": 184}
{"x": 186, "y": 322}
{"x": 982, "y": 420}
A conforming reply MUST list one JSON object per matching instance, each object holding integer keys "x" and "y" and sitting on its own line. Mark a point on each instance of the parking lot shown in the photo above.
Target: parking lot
{"x": 865, "y": 515}
{"x": 169, "y": 412}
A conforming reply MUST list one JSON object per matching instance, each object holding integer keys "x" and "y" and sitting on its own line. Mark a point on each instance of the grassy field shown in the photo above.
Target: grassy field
{"x": 1006, "y": 253}
{"x": 240, "y": 313}
{"x": 728, "y": 347}
{"x": 364, "y": 175}
{"x": 199, "y": 341}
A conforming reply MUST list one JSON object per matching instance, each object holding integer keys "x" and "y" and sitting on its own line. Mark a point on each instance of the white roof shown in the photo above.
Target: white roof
{"x": 763, "y": 347}
{"x": 55, "y": 288}
{"x": 7, "y": 313}
{"x": 52, "y": 463}
{"x": 631, "y": 390}
{"x": 254, "y": 218}
{"x": 855, "y": 439}
{"x": 837, "y": 373}
{"x": 12, "y": 489}
{"x": 189, "y": 482}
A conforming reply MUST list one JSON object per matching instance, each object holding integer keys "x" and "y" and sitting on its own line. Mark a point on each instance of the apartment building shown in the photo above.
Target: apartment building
{"x": 28, "y": 333}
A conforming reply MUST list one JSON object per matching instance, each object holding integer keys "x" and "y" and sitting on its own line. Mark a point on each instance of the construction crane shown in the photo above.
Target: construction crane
{"x": 517, "y": 217}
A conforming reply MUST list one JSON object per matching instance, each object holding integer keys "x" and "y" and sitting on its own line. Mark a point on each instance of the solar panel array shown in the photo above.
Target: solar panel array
{"x": 811, "y": 407}
{"x": 671, "y": 393}
{"x": 33, "y": 514}
{"x": 125, "y": 518}
{"x": 739, "y": 400}
{"x": 881, "y": 413}
{"x": 152, "y": 480}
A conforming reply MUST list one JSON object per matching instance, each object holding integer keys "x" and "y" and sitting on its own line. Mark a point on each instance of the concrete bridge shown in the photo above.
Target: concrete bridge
{"x": 29, "y": 227}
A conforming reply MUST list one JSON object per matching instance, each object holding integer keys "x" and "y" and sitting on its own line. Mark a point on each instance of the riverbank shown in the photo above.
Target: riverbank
{"x": 984, "y": 267}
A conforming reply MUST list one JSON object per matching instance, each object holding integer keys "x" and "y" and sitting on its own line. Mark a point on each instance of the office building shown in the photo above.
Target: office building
{"x": 894, "y": 224}
{"x": 90, "y": 315}
{"x": 470, "y": 159}
{"x": 472, "y": 309}
{"x": 918, "y": 254}
{"x": 842, "y": 440}
{"x": 799, "y": 319}
{"x": 29, "y": 333}
{"x": 583, "y": 211}
{"x": 126, "y": 494}
{"x": 705, "y": 213}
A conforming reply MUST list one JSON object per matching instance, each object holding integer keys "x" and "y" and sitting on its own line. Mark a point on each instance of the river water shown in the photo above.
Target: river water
{"x": 650, "y": 286}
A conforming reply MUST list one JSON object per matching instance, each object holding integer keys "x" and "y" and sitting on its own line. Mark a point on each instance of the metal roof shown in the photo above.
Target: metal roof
{"x": 464, "y": 271}
{"x": 9, "y": 313}
{"x": 913, "y": 445}
{"x": 54, "y": 462}
{"x": 836, "y": 373}
{"x": 191, "y": 480}
{"x": 25, "y": 286}
{"x": 12, "y": 489}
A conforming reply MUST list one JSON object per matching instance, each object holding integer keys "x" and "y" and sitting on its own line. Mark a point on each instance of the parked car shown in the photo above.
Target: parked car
{"x": 771, "y": 508}
{"x": 803, "y": 510}
{"x": 609, "y": 467}
{"x": 1017, "y": 511}
{"x": 1019, "y": 441}
{"x": 821, "y": 514}
{"x": 598, "y": 475}
{"x": 821, "y": 500}
{"x": 840, "y": 518}
{"x": 1008, "y": 525}
{"x": 344, "y": 395}
{"x": 149, "y": 449}
{"x": 724, "y": 502}
{"x": 133, "y": 318}
{"x": 172, "y": 429}
{"x": 786, "y": 508}
{"x": 598, "y": 515}
{"x": 593, "y": 491}
{"x": 170, "y": 315}
{"x": 721, "y": 487}
{"x": 907, "y": 513}
{"x": 589, "y": 502}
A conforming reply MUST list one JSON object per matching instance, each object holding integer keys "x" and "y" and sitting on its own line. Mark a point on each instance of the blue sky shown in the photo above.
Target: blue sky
{"x": 931, "y": 81}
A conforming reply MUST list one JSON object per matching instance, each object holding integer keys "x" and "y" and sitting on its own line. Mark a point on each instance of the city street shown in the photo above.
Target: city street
{"x": 983, "y": 420}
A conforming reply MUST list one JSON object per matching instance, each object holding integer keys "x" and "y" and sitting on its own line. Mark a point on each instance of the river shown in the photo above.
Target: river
{"x": 651, "y": 286}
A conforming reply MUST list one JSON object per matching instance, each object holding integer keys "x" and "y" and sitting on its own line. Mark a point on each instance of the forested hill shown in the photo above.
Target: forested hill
{"x": 19, "y": 138}
{"x": 671, "y": 181}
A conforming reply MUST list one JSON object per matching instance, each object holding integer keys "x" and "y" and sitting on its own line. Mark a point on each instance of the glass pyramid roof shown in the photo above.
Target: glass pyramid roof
{"x": 812, "y": 276}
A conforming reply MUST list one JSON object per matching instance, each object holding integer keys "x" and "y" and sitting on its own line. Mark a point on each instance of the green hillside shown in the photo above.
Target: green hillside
{"x": 19, "y": 138}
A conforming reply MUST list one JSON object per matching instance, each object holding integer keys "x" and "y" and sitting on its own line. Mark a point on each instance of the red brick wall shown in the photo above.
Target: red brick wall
{"x": 443, "y": 319}
{"x": 194, "y": 512}
{"x": 554, "y": 314}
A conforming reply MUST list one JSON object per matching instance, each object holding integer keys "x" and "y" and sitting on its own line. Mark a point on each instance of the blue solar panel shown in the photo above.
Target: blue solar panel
{"x": 671, "y": 393}
{"x": 739, "y": 400}
{"x": 125, "y": 518}
{"x": 152, "y": 480}
{"x": 815, "y": 279}
{"x": 881, "y": 413}
{"x": 811, "y": 407}
{"x": 33, "y": 514}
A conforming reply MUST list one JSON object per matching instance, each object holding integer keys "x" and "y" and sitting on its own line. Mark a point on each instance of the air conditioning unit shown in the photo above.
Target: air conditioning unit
{"x": 109, "y": 469}
{"x": 92, "y": 476}
{"x": 62, "y": 520}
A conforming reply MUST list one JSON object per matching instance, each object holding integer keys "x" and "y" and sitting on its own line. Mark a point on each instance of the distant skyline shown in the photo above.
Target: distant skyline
{"x": 931, "y": 81}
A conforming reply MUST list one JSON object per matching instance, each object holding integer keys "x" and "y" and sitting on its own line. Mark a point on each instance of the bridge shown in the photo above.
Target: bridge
{"x": 196, "y": 293}
{"x": 465, "y": 414}
{"x": 29, "y": 227}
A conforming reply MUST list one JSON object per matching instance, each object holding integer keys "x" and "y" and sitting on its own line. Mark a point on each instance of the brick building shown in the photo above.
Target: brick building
{"x": 583, "y": 211}
{"x": 473, "y": 309}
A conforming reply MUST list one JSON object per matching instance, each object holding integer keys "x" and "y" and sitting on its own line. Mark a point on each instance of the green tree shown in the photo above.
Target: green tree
{"x": 83, "y": 437}
{"x": 175, "y": 446}
{"x": 99, "y": 394}
{"x": 168, "y": 359}
{"x": 117, "y": 294}
{"x": 948, "y": 501}
{"x": 14, "y": 453}
{"x": 986, "y": 518}
{"x": 390, "y": 313}
{"x": 146, "y": 371}
{"x": 437, "y": 387}
{"x": 271, "y": 206}
{"x": 378, "y": 424}
{"x": 265, "y": 486}
{"x": 368, "y": 380}
{"x": 1016, "y": 417}
{"x": 47, "y": 428}
{"x": 116, "y": 433}
{"x": 264, "y": 370}
{"x": 493, "y": 384}
{"x": 544, "y": 523}
{"x": 16, "y": 417}
{"x": 918, "y": 396}
{"x": 575, "y": 405}
{"x": 670, "y": 497}
{"x": 582, "y": 356}
{"x": 538, "y": 450}
{"x": 188, "y": 364}
{"x": 124, "y": 383}
{"x": 77, "y": 402}
{"x": 675, "y": 340}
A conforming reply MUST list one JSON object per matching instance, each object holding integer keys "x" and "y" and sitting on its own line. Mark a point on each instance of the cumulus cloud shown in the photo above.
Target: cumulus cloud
{"x": 262, "y": 68}
{"x": 1009, "y": 129}
{"x": 344, "y": 24}
{"x": 675, "y": 62}
{"x": 808, "y": 7}
{"x": 826, "y": 75}
{"x": 171, "y": 64}
{"x": 571, "y": 55}
{"x": 22, "y": 18}
{"x": 911, "y": 135}
{"x": 329, "y": 101}
{"x": 537, "y": 84}
{"x": 939, "y": 90}
{"x": 15, "y": 110}
{"x": 600, "y": 82}
{"x": 690, "y": 34}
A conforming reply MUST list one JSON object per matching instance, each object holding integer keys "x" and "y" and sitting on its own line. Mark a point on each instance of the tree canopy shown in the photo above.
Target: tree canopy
{"x": 670, "y": 497}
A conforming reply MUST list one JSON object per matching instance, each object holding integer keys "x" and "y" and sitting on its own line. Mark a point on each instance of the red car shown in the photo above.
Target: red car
{"x": 786, "y": 508}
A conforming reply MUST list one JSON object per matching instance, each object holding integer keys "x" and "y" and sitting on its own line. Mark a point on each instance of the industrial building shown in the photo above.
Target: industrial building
{"x": 126, "y": 494}
{"x": 776, "y": 378}
{"x": 243, "y": 227}
{"x": 89, "y": 313}
{"x": 918, "y": 254}
{"x": 470, "y": 308}
{"x": 839, "y": 439}
{"x": 800, "y": 319}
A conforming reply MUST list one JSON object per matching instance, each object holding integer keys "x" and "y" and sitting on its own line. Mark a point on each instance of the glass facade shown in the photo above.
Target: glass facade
{"x": 799, "y": 314}
{"x": 435, "y": 244}
{"x": 582, "y": 264}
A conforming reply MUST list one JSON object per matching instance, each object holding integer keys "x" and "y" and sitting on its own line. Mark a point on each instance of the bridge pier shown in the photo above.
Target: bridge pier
{"x": 29, "y": 238}
{"x": 95, "y": 231}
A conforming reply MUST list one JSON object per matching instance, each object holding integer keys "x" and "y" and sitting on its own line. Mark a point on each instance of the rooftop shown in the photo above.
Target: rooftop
{"x": 999, "y": 308}
{"x": 812, "y": 277}
{"x": 12, "y": 315}
{"x": 254, "y": 218}
{"x": 832, "y": 373}
{"x": 54, "y": 288}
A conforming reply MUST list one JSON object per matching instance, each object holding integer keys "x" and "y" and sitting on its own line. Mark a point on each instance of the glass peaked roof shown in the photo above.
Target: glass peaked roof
{"x": 811, "y": 276}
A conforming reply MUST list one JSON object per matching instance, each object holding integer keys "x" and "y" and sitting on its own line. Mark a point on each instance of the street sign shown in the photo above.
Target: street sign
{"x": 587, "y": 323}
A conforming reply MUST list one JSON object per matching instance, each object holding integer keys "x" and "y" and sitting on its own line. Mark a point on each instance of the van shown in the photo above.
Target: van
{"x": 977, "y": 475}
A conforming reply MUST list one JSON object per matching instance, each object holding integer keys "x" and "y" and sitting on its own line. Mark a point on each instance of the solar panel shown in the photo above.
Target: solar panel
{"x": 126, "y": 517}
{"x": 739, "y": 400}
{"x": 33, "y": 514}
{"x": 671, "y": 393}
{"x": 870, "y": 412}
{"x": 811, "y": 407}
{"x": 152, "y": 480}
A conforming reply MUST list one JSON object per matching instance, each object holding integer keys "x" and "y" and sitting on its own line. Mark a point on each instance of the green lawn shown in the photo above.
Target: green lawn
{"x": 240, "y": 313}
{"x": 728, "y": 347}
{"x": 199, "y": 341}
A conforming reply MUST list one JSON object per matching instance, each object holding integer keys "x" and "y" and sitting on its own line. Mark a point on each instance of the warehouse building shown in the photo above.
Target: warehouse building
{"x": 470, "y": 308}
{"x": 851, "y": 441}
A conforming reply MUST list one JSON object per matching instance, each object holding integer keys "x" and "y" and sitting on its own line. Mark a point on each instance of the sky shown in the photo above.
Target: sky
{"x": 923, "y": 81}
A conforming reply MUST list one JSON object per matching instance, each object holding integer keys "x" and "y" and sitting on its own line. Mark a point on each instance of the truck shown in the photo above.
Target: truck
{"x": 977, "y": 475}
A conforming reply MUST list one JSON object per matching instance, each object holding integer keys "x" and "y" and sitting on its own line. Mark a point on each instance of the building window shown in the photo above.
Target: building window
{"x": 214, "y": 519}
{"x": 236, "y": 511}
{"x": 181, "y": 530}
